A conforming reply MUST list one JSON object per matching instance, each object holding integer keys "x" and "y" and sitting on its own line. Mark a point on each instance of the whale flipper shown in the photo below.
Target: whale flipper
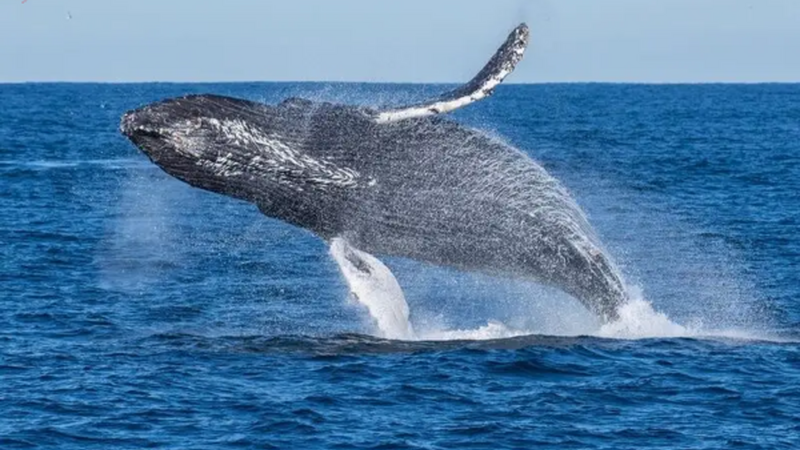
{"x": 375, "y": 287}
{"x": 481, "y": 86}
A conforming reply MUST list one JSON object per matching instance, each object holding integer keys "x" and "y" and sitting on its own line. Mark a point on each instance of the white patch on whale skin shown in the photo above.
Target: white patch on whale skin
{"x": 224, "y": 165}
{"x": 496, "y": 70}
{"x": 272, "y": 155}
{"x": 186, "y": 138}
{"x": 375, "y": 287}
{"x": 445, "y": 106}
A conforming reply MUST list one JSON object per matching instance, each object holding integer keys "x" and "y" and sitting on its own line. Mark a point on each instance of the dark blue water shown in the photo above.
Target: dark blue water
{"x": 137, "y": 312}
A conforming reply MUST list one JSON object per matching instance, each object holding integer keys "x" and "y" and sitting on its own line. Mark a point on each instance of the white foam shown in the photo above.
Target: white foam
{"x": 492, "y": 330}
{"x": 638, "y": 320}
{"x": 532, "y": 311}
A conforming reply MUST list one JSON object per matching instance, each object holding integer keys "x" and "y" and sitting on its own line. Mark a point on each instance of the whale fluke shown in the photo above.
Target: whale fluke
{"x": 481, "y": 86}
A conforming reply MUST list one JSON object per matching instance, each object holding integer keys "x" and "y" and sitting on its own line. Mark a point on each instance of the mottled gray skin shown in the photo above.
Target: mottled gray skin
{"x": 427, "y": 189}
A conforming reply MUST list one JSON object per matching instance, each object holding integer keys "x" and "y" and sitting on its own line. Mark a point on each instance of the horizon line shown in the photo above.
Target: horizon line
{"x": 394, "y": 82}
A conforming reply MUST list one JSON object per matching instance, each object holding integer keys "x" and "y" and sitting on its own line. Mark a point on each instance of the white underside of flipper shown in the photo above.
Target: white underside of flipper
{"x": 374, "y": 286}
{"x": 481, "y": 86}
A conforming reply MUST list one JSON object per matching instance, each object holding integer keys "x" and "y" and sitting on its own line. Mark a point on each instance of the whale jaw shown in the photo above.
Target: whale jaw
{"x": 183, "y": 137}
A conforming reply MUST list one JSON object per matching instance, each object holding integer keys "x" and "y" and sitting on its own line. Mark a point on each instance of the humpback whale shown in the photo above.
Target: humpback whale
{"x": 404, "y": 181}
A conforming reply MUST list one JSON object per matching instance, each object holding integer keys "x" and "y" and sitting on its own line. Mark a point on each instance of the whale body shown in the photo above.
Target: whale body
{"x": 405, "y": 182}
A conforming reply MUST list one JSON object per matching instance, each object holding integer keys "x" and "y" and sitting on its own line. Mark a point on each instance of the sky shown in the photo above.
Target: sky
{"x": 397, "y": 40}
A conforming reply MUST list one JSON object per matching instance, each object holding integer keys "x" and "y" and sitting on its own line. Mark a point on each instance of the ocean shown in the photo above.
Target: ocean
{"x": 138, "y": 312}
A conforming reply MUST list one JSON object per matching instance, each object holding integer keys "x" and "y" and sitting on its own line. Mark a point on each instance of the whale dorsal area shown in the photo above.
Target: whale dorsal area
{"x": 481, "y": 86}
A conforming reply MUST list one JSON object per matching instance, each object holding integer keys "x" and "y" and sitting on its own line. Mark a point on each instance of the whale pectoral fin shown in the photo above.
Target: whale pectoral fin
{"x": 481, "y": 86}
{"x": 375, "y": 287}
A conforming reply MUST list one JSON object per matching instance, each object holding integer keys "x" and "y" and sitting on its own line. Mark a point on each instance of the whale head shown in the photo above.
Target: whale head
{"x": 247, "y": 150}
{"x": 202, "y": 141}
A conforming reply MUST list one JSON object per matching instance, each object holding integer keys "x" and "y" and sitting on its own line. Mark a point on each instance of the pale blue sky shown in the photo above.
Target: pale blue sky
{"x": 397, "y": 40}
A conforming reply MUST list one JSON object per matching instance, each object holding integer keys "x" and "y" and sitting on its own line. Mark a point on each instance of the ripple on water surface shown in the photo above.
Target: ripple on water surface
{"x": 137, "y": 312}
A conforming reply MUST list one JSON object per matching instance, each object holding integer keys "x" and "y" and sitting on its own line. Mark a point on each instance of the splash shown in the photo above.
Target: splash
{"x": 638, "y": 319}
{"x": 388, "y": 310}
{"x": 492, "y": 330}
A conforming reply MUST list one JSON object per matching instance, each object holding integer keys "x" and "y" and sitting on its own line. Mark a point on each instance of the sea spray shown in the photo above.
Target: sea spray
{"x": 638, "y": 319}
{"x": 389, "y": 314}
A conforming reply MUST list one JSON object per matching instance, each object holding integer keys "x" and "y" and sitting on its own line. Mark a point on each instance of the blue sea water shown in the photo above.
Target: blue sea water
{"x": 137, "y": 312}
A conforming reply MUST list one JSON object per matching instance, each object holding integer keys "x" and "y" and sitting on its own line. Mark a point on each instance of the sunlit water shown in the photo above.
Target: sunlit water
{"x": 138, "y": 312}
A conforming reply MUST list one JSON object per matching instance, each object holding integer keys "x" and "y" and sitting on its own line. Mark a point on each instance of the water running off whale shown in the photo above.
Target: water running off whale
{"x": 401, "y": 182}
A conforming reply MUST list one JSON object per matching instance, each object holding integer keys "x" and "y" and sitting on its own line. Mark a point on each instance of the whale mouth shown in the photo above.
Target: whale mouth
{"x": 146, "y": 133}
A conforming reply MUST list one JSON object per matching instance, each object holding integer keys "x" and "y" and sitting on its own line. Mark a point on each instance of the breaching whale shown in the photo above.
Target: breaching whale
{"x": 401, "y": 182}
